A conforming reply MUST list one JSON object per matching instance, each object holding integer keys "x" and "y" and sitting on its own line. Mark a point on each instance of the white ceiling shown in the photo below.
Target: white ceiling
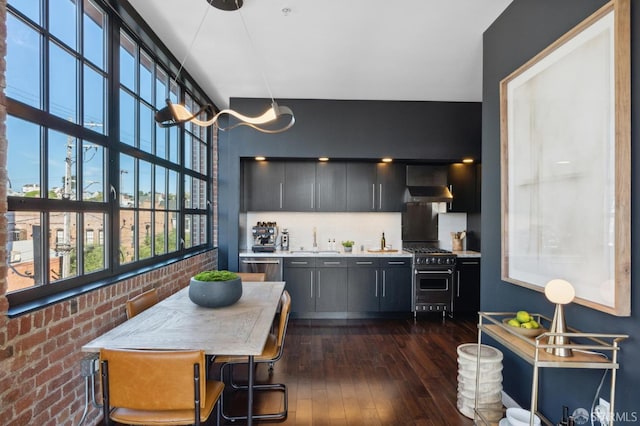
{"x": 424, "y": 50}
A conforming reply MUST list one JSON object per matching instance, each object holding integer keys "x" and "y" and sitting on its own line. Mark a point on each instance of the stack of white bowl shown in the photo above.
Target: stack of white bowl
{"x": 519, "y": 417}
{"x": 490, "y": 386}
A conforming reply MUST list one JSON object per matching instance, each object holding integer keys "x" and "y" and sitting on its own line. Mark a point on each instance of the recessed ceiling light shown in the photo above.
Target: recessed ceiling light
{"x": 323, "y": 159}
{"x": 387, "y": 160}
{"x": 260, "y": 158}
{"x": 563, "y": 162}
{"x": 467, "y": 160}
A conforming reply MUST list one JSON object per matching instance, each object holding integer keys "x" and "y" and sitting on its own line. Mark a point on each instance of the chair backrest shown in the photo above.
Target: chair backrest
{"x": 285, "y": 309}
{"x": 141, "y": 302}
{"x": 252, "y": 276}
{"x": 152, "y": 380}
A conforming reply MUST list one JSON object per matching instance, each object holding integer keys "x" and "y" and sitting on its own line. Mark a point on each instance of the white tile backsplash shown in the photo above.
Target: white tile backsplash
{"x": 448, "y": 223}
{"x": 363, "y": 228}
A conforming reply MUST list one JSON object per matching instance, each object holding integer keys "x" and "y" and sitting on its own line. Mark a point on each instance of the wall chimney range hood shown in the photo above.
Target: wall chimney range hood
{"x": 427, "y": 184}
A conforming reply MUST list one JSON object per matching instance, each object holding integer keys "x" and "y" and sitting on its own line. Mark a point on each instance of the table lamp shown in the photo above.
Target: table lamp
{"x": 559, "y": 292}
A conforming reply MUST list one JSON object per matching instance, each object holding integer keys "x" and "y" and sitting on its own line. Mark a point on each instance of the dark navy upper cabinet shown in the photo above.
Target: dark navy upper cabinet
{"x": 331, "y": 187}
{"x": 299, "y": 186}
{"x": 391, "y": 183}
{"x": 263, "y": 188}
{"x": 361, "y": 182}
{"x": 375, "y": 187}
{"x": 307, "y": 186}
{"x": 463, "y": 183}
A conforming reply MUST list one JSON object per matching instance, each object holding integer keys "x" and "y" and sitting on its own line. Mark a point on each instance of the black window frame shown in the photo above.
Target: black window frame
{"x": 120, "y": 17}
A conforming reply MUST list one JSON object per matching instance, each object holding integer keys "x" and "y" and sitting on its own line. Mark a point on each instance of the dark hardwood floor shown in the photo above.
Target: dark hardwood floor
{"x": 367, "y": 372}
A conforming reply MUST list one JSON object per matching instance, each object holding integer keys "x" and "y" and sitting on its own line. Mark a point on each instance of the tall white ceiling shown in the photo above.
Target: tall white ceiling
{"x": 424, "y": 50}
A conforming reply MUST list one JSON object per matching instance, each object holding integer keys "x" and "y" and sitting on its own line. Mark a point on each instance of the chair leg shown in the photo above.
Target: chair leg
{"x": 218, "y": 410}
{"x": 256, "y": 387}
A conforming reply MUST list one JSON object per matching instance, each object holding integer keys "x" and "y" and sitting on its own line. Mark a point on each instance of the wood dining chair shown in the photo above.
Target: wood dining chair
{"x": 252, "y": 276}
{"x": 272, "y": 352}
{"x": 143, "y": 387}
{"x": 141, "y": 302}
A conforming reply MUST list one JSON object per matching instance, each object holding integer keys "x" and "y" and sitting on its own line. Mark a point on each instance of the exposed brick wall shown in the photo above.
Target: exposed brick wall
{"x": 40, "y": 381}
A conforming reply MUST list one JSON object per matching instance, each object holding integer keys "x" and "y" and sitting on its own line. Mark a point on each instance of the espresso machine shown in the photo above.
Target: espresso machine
{"x": 264, "y": 237}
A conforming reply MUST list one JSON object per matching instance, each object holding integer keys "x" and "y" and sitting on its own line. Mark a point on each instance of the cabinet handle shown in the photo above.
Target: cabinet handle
{"x": 384, "y": 283}
{"x": 364, "y": 263}
{"x": 313, "y": 194}
{"x": 268, "y": 262}
{"x": 376, "y": 283}
{"x": 331, "y": 263}
{"x": 450, "y": 203}
{"x": 471, "y": 262}
{"x": 448, "y": 272}
{"x": 458, "y": 285}
{"x": 380, "y": 198}
{"x": 391, "y": 262}
{"x": 318, "y": 284}
{"x": 281, "y": 193}
{"x": 311, "y": 272}
{"x": 373, "y": 196}
{"x": 299, "y": 262}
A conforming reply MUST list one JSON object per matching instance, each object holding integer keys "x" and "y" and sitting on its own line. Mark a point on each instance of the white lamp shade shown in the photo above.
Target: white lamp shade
{"x": 559, "y": 291}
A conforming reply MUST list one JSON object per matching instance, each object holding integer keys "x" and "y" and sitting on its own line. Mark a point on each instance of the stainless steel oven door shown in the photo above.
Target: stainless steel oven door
{"x": 433, "y": 289}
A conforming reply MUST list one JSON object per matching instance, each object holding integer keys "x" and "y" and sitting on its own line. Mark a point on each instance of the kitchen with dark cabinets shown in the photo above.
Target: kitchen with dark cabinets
{"x": 429, "y": 132}
{"x": 352, "y": 185}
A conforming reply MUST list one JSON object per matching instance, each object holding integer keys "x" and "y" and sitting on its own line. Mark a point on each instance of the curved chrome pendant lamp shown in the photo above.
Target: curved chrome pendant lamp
{"x": 178, "y": 114}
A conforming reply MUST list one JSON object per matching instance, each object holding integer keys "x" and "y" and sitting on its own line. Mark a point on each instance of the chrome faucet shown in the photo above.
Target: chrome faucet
{"x": 315, "y": 240}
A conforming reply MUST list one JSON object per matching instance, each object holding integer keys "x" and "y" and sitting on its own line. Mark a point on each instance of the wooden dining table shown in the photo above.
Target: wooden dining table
{"x": 176, "y": 323}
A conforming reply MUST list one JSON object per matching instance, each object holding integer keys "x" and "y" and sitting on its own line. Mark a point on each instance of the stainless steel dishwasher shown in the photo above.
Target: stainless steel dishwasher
{"x": 271, "y": 266}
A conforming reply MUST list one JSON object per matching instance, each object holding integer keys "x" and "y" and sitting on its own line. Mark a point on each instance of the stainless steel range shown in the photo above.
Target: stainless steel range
{"x": 433, "y": 279}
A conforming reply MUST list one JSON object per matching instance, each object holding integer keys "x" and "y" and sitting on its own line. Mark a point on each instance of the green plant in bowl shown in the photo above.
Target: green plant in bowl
{"x": 215, "y": 289}
{"x": 216, "y": 276}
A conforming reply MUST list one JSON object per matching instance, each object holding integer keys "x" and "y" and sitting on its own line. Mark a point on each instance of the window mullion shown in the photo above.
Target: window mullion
{"x": 112, "y": 238}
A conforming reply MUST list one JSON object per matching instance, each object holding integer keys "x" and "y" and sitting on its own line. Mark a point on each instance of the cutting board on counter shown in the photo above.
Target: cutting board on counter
{"x": 382, "y": 251}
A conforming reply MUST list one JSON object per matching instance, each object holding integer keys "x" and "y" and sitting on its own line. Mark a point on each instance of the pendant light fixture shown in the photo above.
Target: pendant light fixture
{"x": 177, "y": 114}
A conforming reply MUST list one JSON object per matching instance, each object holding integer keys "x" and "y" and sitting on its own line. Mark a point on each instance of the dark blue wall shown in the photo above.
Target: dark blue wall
{"x": 523, "y": 30}
{"x": 342, "y": 129}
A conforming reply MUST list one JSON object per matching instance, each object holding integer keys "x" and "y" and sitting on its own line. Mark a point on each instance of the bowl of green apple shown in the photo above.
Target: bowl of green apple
{"x": 525, "y": 324}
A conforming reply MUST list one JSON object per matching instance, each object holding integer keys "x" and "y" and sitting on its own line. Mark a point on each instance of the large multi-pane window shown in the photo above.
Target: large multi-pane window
{"x": 95, "y": 187}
